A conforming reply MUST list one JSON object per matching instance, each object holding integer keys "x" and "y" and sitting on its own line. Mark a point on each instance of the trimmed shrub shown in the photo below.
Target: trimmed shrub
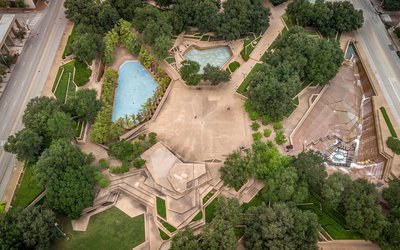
{"x": 257, "y": 136}
{"x": 234, "y": 66}
{"x": 255, "y": 126}
{"x": 103, "y": 164}
{"x": 280, "y": 138}
{"x": 278, "y": 126}
{"x": 138, "y": 163}
{"x": 267, "y": 132}
{"x": 393, "y": 144}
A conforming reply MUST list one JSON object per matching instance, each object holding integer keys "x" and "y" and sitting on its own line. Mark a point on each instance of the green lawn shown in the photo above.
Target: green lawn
{"x": 161, "y": 209}
{"x": 331, "y": 220}
{"x": 68, "y": 48}
{"x": 243, "y": 88}
{"x": 208, "y": 196}
{"x": 256, "y": 201}
{"x": 28, "y": 190}
{"x": 170, "y": 60}
{"x": 210, "y": 210}
{"x": 62, "y": 82}
{"x": 169, "y": 227}
{"x": 111, "y": 229}
{"x": 198, "y": 216}
{"x": 234, "y": 66}
{"x": 65, "y": 83}
{"x": 163, "y": 235}
{"x": 82, "y": 73}
{"x": 249, "y": 45}
{"x": 388, "y": 122}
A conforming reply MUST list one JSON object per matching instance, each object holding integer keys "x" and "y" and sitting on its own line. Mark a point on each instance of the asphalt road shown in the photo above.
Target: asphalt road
{"x": 28, "y": 79}
{"x": 382, "y": 58}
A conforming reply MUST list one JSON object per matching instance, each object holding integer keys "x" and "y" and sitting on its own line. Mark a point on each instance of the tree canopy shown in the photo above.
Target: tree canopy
{"x": 26, "y": 144}
{"x": 190, "y": 72}
{"x": 361, "y": 208}
{"x": 391, "y": 5}
{"x": 184, "y": 240}
{"x": 295, "y": 59}
{"x": 328, "y": 17}
{"x": 69, "y": 180}
{"x": 280, "y": 227}
{"x": 311, "y": 169}
{"x": 237, "y": 169}
{"x": 31, "y": 228}
{"x": 83, "y": 105}
{"x": 215, "y": 75}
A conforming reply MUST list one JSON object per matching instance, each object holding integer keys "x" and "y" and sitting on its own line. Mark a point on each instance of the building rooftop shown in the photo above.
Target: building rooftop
{"x": 169, "y": 171}
{"x": 5, "y": 26}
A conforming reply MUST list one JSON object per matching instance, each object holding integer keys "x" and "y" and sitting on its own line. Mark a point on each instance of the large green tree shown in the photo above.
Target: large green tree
{"x": 37, "y": 113}
{"x": 161, "y": 47}
{"x": 237, "y": 169}
{"x": 184, "y": 240}
{"x": 333, "y": 188}
{"x": 328, "y": 17}
{"x": 391, "y": 4}
{"x": 87, "y": 46}
{"x": 221, "y": 234}
{"x": 215, "y": 75}
{"x": 280, "y": 227}
{"x": 69, "y": 180}
{"x": 84, "y": 106}
{"x": 310, "y": 168}
{"x": 60, "y": 125}
{"x": 126, "y": 8}
{"x": 31, "y": 228}
{"x": 190, "y": 72}
{"x": 241, "y": 17}
{"x": 26, "y": 144}
{"x": 392, "y": 193}
{"x": 360, "y": 204}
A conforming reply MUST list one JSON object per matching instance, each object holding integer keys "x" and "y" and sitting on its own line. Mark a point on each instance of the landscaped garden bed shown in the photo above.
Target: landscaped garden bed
{"x": 69, "y": 76}
{"x": 331, "y": 220}
{"x": 210, "y": 210}
{"x": 161, "y": 209}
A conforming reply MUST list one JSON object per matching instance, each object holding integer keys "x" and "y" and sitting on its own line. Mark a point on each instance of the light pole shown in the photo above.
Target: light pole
{"x": 64, "y": 234}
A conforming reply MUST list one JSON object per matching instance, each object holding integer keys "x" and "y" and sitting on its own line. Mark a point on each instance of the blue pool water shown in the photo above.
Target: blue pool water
{"x": 135, "y": 86}
{"x": 350, "y": 51}
{"x": 215, "y": 56}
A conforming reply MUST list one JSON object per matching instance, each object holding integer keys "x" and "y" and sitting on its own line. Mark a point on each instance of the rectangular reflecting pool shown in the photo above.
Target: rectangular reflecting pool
{"x": 135, "y": 86}
{"x": 215, "y": 56}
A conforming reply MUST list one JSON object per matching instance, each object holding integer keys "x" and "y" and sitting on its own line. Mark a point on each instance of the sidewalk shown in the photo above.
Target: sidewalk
{"x": 48, "y": 86}
{"x": 12, "y": 184}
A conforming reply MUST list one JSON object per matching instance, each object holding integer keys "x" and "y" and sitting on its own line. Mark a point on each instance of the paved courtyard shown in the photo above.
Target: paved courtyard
{"x": 202, "y": 124}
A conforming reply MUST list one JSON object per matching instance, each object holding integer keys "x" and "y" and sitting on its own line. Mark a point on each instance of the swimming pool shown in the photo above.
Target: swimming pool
{"x": 215, "y": 56}
{"x": 135, "y": 86}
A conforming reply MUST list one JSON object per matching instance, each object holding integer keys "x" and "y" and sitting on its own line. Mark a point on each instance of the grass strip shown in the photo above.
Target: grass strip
{"x": 28, "y": 189}
{"x": 198, "y": 216}
{"x": 210, "y": 210}
{"x": 243, "y": 88}
{"x": 388, "y": 122}
{"x": 163, "y": 235}
{"x": 208, "y": 196}
{"x": 168, "y": 226}
{"x": 161, "y": 209}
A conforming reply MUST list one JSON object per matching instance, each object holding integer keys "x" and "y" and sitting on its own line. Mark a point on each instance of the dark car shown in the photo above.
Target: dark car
{"x": 398, "y": 53}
